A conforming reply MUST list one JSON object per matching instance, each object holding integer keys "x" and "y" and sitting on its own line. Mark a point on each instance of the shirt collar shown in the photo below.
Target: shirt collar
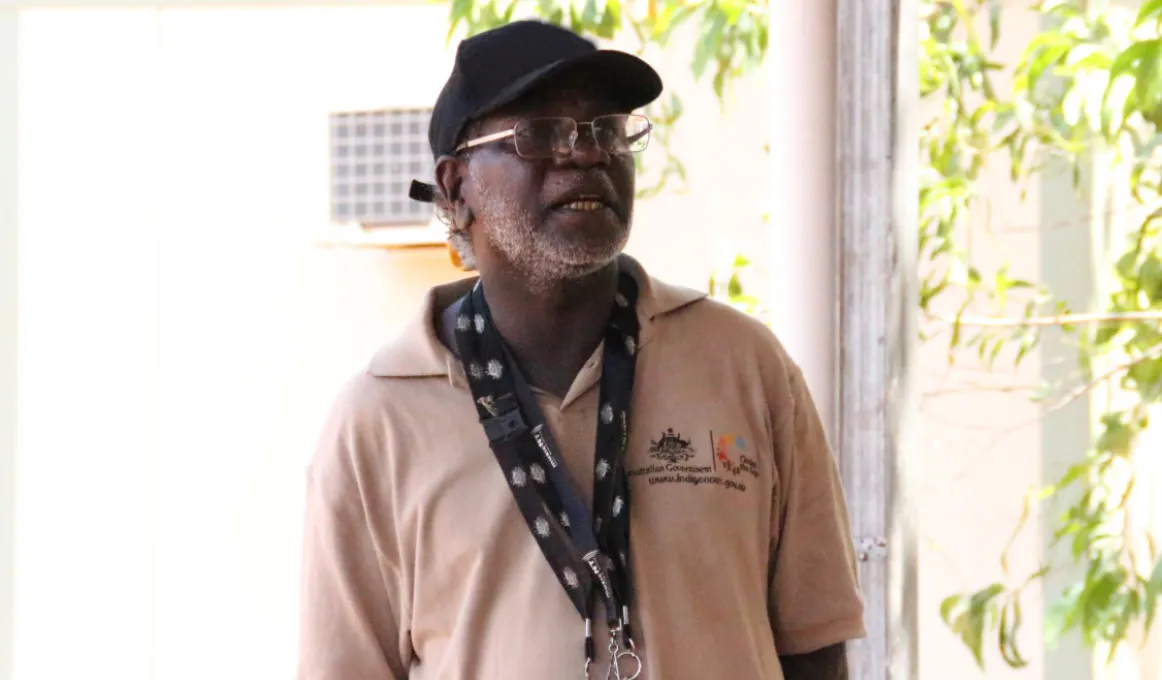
{"x": 418, "y": 353}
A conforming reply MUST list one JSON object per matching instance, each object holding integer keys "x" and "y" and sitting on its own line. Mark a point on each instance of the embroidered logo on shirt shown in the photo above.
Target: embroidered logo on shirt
{"x": 671, "y": 447}
{"x": 724, "y": 462}
{"x": 730, "y": 454}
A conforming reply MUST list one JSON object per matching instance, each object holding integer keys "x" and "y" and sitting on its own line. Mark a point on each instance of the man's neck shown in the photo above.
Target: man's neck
{"x": 552, "y": 331}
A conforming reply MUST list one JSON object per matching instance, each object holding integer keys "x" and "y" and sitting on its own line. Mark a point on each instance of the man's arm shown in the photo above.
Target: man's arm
{"x": 353, "y": 604}
{"x": 815, "y": 604}
{"x": 829, "y": 663}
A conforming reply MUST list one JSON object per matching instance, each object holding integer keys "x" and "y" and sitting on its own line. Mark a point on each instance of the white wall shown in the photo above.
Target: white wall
{"x": 182, "y": 334}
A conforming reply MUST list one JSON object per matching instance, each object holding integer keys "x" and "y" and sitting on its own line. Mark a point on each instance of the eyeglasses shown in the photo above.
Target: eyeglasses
{"x": 544, "y": 138}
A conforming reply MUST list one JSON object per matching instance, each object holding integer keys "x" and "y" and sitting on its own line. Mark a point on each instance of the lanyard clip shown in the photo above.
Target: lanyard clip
{"x": 505, "y": 421}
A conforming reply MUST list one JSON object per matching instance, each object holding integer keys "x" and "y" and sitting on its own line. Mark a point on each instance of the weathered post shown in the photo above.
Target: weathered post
{"x": 876, "y": 211}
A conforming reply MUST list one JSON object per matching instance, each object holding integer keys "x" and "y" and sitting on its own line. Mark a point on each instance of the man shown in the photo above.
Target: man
{"x": 565, "y": 468}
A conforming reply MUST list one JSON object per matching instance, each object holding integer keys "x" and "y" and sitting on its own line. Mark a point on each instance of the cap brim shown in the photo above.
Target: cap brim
{"x": 630, "y": 81}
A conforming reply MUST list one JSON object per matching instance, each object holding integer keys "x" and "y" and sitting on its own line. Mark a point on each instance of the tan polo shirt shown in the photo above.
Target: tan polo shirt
{"x": 418, "y": 564}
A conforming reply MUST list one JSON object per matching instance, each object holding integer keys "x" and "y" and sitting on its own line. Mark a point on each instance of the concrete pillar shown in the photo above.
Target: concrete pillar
{"x": 804, "y": 296}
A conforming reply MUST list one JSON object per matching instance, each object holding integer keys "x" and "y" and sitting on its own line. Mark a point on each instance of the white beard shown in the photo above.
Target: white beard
{"x": 541, "y": 260}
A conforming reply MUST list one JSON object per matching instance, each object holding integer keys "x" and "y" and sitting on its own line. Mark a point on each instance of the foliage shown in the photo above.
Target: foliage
{"x": 726, "y": 285}
{"x": 732, "y": 33}
{"x": 1087, "y": 90}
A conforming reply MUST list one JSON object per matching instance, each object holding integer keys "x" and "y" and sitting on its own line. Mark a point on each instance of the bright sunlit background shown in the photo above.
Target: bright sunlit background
{"x": 188, "y": 311}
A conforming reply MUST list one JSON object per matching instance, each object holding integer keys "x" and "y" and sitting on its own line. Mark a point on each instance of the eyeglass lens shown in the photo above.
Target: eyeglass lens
{"x": 553, "y": 137}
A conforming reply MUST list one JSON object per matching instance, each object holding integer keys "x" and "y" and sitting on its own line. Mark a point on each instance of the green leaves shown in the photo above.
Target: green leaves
{"x": 1150, "y": 11}
{"x": 709, "y": 42}
{"x": 599, "y": 18}
{"x": 1085, "y": 82}
{"x": 726, "y": 285}
{"x": 732, "y": 34}
{"x": 1151, "y": 592}
{"x": 1150, "y": 279}
{"x": 993, "y": 610}
{"x": 1116, "y": 436}
{"x": 665, "y": 114}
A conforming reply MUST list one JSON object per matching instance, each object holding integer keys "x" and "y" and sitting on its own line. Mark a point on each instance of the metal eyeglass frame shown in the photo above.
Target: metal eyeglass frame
{"x": 577, "y": 124}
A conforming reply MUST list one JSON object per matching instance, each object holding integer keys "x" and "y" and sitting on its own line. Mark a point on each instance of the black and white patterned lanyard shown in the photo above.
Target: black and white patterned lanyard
{"x": 588, "y": 550}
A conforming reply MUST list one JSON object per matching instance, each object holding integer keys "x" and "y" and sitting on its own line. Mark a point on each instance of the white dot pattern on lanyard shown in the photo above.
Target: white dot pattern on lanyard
{"x": 543, "y": 527}
{"x": 537, "y": 473}
{"x": 519, "y": 477}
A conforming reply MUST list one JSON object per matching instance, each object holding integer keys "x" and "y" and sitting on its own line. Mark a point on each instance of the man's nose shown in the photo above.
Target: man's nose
{"x": 586, "y": 153}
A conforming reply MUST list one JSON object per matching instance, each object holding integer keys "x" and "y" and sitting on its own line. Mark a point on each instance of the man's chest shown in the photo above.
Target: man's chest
{"x": 689, "y": 460}
{"x": 701, "y": 499}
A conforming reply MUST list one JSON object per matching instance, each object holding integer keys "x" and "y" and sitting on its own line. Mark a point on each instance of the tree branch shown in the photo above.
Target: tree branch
{"x": 1058, "y": 320}
{"x": 976, "y": 388}
{"x": 1081, "y": 390}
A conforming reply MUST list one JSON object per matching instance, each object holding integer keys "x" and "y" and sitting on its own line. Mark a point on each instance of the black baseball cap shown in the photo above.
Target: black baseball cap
{"x": 496, "y": 67}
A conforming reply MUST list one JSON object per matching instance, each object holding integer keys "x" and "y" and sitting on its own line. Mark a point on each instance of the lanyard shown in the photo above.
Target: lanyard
{"x": 588, "y": 549}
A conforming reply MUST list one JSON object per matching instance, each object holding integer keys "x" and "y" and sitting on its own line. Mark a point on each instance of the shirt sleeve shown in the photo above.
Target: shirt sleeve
{"x": 814, "y": 595}
{"x": 352, "y": 605}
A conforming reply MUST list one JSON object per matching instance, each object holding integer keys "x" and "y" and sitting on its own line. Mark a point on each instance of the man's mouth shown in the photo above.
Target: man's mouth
{"x": 583, "y": 206}
{"x": 586, "y": 203}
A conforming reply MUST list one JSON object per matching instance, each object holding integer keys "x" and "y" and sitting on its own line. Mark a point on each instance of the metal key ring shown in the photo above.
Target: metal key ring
{"x": 615, "y": 664}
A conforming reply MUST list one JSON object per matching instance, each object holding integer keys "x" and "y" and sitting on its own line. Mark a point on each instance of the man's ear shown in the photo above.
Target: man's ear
{"x": 449, "y": 178}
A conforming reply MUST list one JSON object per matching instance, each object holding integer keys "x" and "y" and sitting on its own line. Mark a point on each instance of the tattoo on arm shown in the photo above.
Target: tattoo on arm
{"x": 829, "y": 663}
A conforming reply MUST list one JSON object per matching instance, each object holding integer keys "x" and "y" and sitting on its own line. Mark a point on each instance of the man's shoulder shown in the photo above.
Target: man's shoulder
{"x": 729, "y": 317}
{"x": 728, "y": 341}
{"x": 361, "y": 400}
{"x": 714, "y": 322}
{"x": 370, "y": 414}
{"x": 390, "y": 381}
